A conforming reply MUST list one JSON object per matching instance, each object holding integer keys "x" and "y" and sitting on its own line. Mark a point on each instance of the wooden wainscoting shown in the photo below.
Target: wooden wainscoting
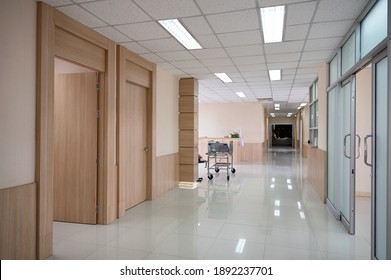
{"x": 317, "y": 170}
{"x": 166, "y": 175}
{"x": 251, "y": 152}
{"x": 18, "y": 223}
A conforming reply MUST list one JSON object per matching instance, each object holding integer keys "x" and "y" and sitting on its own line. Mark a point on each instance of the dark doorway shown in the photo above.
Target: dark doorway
{"x": 282, "y": 135}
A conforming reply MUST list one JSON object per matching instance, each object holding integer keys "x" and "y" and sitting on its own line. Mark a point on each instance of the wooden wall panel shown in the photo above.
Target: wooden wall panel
{"x": 166, "y": 174}
{"x": 317, "y": 171}
{"x": 188, "y": 104}
{"x": 18, "y": 222}
{"x": 188, "y": 138}
{"x": 188, "y": 155}
{"x": 79, "y": 51}
{"x": 188, "y": 172}
{"x": 188, "y": 121}
{"x": 251, "y": 152}
{"x": 188, "y": 86}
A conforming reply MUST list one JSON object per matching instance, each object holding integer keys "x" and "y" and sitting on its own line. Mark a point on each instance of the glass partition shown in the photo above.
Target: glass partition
{"x": 349, "y": 54}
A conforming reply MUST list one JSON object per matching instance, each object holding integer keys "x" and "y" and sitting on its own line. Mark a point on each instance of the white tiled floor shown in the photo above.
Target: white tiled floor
{"x": 266, "y": 211}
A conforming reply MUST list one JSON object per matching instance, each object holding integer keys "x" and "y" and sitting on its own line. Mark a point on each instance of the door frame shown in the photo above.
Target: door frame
{"x": 128, "y": 74}
{"x": 90, "y": 49}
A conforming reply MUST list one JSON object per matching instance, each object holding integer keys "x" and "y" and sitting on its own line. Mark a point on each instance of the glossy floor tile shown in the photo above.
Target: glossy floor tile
{"x": 265, "y": 211}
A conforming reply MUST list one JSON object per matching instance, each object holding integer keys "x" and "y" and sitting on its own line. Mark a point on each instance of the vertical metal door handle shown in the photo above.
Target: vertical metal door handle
{"x": 344, "y": 145}
{"x": 358, "y": 146}
{"x": 366, "y": 150}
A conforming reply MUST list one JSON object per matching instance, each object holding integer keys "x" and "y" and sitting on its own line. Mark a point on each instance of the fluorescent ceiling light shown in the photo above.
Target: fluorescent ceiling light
{"x": 273, "y": 179}
{"x": 302, "y": 215}
{"x": 277, "y": 203}
{"x": 275, "y": 75}
{"x": 289, "y": 187}
{"x": 299, "y": 107}
{"x": 277, "y": 105}
{"x": 272, "y": 186}
{"x": 273, "y": 23}
{"x": 288, "y": 181}
{"x": 223, "y": 77}
{"x": 277, "y": 109}
{"x": 303, "y": 104}
{"x": 299, "y": 205}
{"x": 180, "y": 33}
{"x": 276, "y": 213}
{"x": 240, "y": 94}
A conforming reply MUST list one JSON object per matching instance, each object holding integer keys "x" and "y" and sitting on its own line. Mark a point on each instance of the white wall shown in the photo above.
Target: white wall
{"x": 167, "y": 122}
{"x": 17, "y": 92}
{"x": 218, "y": 120}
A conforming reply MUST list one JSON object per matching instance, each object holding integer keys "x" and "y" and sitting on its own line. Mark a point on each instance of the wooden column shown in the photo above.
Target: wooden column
{"x": 188, "y": 130}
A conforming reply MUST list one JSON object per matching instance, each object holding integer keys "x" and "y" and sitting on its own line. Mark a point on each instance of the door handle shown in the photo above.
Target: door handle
{"x": 366, "y": 150}
{"x": 344, "y": 146}
{"x": 146, "y": 149}
{"x": 359, "y": 146}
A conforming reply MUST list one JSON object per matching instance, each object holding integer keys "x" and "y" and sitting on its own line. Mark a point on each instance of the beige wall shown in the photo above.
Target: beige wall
{"x": 363, "y": 127}
{"x": 322, "y": 107}
{"x": 218, "y": 120}
{"x": 17, "y": 92}
{"x": 167, "y": 91}
{"x": 306, "y": 124}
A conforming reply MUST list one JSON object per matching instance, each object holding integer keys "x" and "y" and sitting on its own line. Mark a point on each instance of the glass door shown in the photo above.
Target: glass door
{"x": 381, "y": 243}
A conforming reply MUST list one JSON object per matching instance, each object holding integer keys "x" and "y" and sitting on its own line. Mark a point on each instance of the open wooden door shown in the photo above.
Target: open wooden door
{"x": 76, "y": 146}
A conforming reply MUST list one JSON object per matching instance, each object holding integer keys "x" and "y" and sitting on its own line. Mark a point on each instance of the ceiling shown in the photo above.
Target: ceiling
{"x": 231, "y": 35}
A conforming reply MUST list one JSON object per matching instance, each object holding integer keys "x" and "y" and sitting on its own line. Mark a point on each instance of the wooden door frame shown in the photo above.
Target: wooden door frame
{"x": 50, "y": 23}
{"x": 125, "y": 75}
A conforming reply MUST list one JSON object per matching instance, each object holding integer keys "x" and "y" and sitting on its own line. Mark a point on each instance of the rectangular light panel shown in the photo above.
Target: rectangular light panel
{"x": 273, "y": 23}
{"x": 240, "y": 94}
{"x": 275, "y": 75}
{"x": 223, "y": 77}
{"x": 180, "y": 33}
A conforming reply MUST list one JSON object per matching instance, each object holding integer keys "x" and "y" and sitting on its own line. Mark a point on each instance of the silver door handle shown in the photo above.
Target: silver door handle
{"x": 359, "y": 146}
{"x": 366, "y": 150}
{"x": 146, "y": 149}
{"x": 344, "y": 146}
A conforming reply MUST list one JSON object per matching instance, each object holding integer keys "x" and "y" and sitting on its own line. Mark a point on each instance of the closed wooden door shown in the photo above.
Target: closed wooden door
{"x": 76, "y": 142}
{"x": 133, "y": 154}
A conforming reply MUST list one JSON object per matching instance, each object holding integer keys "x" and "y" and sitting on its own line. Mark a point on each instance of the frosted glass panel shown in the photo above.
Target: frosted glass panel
{"x": 381, "y": 160}
{"x": 344, "y": 162}
{"x": 349, "y": 53}
{"x": 331, "y": 149}
{"x": 374, "y": 27}
{"x": 333, "y": 70}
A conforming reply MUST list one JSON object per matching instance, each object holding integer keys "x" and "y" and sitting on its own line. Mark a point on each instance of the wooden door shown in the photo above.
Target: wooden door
{"x": 75, "y": 150}
{"x": 133, "y": 156}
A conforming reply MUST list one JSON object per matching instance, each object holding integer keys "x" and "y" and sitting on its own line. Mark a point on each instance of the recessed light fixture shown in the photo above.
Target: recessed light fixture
{"x": 277, "y": 105}
{"x": 303, "y": 104}
{"x": 223, "y": 77}
{"x": 289, "y": 115}
{"x": 277, "y": 109}
{"x": 275, "y": 75}
{"x": 180, "y": 33}
{"x": 273, "y": 23}
{"x": 240, "y": 94}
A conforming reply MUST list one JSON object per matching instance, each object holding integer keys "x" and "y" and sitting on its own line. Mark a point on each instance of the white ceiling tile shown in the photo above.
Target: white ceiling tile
{"x": 332, "y": 10}
{"x": 165, "y": 66}
{"x": 222, "y": 69}
{"x": 255, "y": 74}
{"x": 243, "y": 38}
{"x": 198, "y": 70}
{"x": 330, "y": 29}
{"x": 117, "y": 11}
{"x": 55, "y": 3}
{"x": 143, "y": 31}
{"x": 176, "y": 72}
{"x": 251, "y": 67}
{"x": 217, "y": 62}
{"x": 162, "y": 45}
{"x": 289, "y": 71}
{"x": 244, "y": 60}
{"x": 152, "y": 57}
{"x": 219, "y": 6}
{"x": 234, "y": 21}
{"x": 175, "y": 56}
{"x": 282, "y": 65}
{"x": 284, "y": 47}
{"x": 209, "y": 53}
{"x": 267, "y": 3}
{"x": 283, "y": 57}
{"x": 256, "y": 79}
{"x": 135, "y": 47}
{"x": 316, "y": 55}
{"x": 311, "y": 63}
{"x": 306, "y": 77}
{"x": 300, "y": 13}
{"x": 296, "y": 32}
{"x": 208, "y": 41}
{"x": 322, "y": 44}
{"x": 167, "y": 9}
{"x": 312, "y": 70}
{"x": 204, "y": 76}
{"x": 187, "y": 64}
{"x": 197, "y": 25}
{"x": 112, "y": 34}
{"x": 82, "y": 16}
{"x": 244, "y": 50}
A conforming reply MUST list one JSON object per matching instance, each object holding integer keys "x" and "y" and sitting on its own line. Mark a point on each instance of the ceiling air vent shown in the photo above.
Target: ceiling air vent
{"x": 265, "y": 100}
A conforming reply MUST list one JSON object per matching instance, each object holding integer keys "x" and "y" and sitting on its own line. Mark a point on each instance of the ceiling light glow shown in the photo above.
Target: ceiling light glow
{"x": 273, "y": 23}
{"x": 223, "y": 77}
{"x": 275, "y": 75}
{"x": 240, "y": 246}
{"x": 180, "y": 33}
{"x": 240, "y": 94}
